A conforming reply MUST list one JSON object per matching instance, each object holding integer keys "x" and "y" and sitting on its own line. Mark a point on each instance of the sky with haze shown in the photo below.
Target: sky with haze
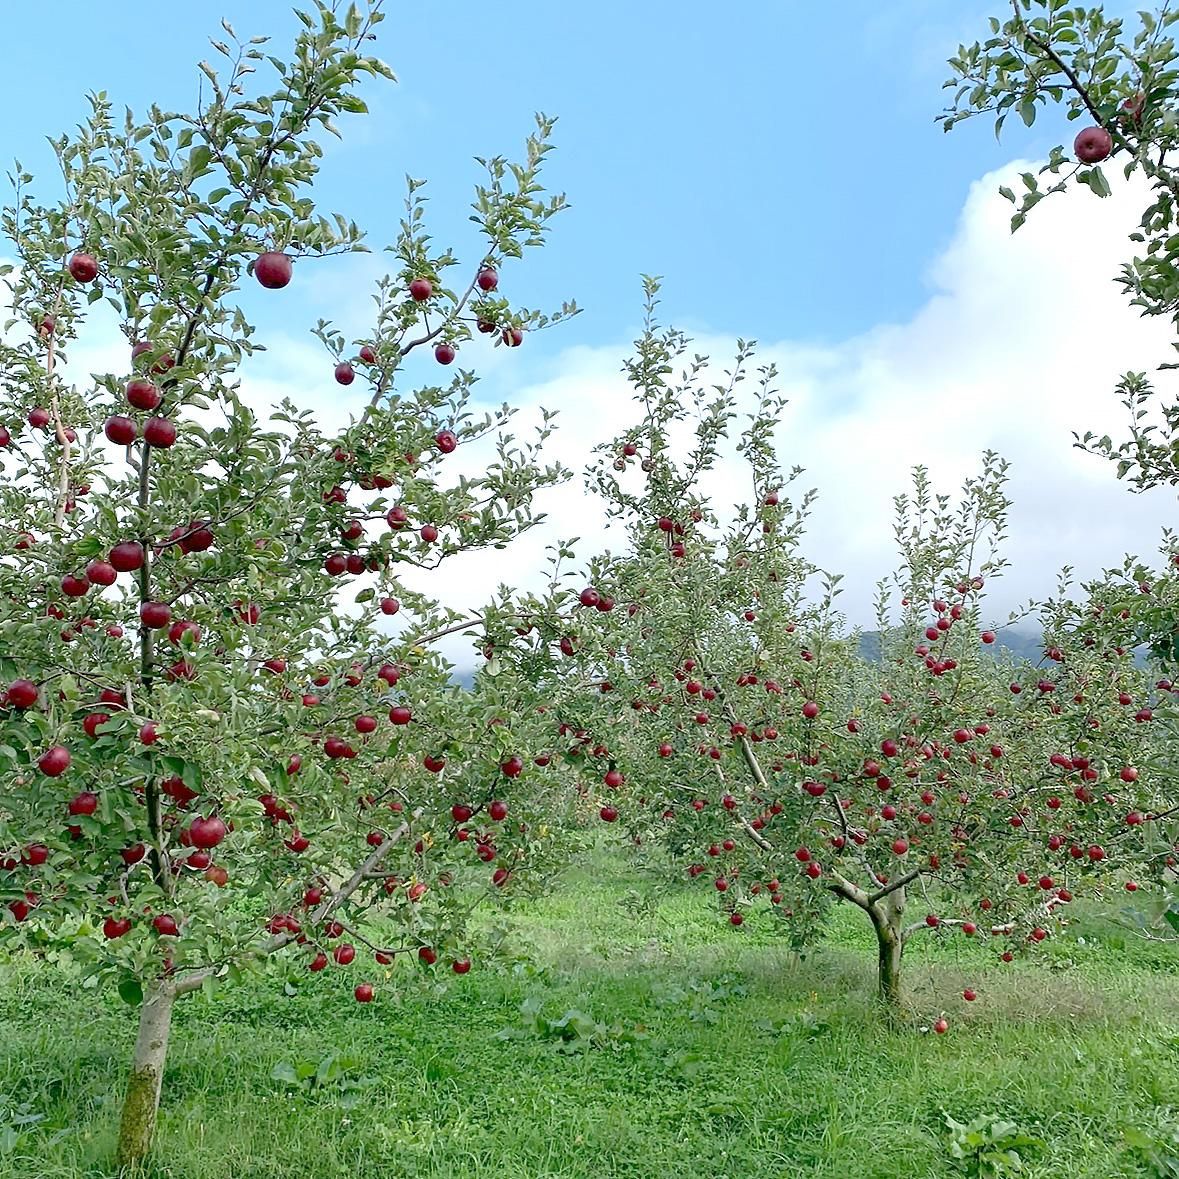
{"x": 778, "y": 163}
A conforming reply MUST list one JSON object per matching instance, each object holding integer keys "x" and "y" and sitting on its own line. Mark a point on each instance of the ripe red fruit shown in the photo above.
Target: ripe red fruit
{"x": 155, "y": 615}
{"x": 364, "y": 993}
{"x": 101, "y": 573}
{"x": 429, "y": 533}
{"x": 421, "y": 289}
{"x": 390, "y": 606}
{"x": 115, "y": 927}
{"x": 143, "y": 394}
{"x": 900, "y": 847}
{"x": 159, "y": 432}
{"x": 318, "y": 963}
{"x": 126, "y": 556}
{"x": 1128, "y": 774}
{"x": 969, "y": 995}
{"x": 85, "y": 803}
{"x": 941, "y": 1027}
{"x": 83, "y": 267}
{"x": 207, "y": 833}
{"x": 120, "y": 430}
{"x": 487, "y": 279}
{"x": 461, "y": 965}
{"x": 810, "y": 710}
{"x": 498, "y": 810}
{"x": 34, "y": 855}
{"x": 400, "y": 715}
{"x": 608, "y": 814}
{"x": 368, "y": 354}
{"x": 446, "y": 441}
{"x": 93, "y": 722}
{"x": 165, "y": 925}
{"x": 1093, "y": 145}
{"x": 345, "y": 374}
{"x": 39, "y": 418}
{"x": 184, "y": 631}
{"x": 133, "y": 854}
{"x": 273, "y": 269}
{"x": 344, "y": 953}
{"x": 22, "y": 693}
{"x": 445, "y": 353}
{"x": 74, "y": 587}
{"x": 427, "y": 955}
{"x": 54, "y": 761}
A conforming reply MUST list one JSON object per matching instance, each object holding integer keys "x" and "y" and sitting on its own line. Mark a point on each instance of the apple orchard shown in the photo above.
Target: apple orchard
{"x": 229, "y": 744}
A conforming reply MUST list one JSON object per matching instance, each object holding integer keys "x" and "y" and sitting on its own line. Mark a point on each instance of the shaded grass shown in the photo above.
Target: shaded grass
{"x": 718, "y": 1054}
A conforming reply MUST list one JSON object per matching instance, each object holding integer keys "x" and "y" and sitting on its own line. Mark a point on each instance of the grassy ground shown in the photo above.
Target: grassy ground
{"x": 692, "y": 1050}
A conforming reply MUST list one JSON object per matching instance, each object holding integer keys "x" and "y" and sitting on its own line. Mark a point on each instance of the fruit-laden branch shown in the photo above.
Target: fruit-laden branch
{"x": 407, "y": 348}
{"x": 194, "y": 981}
{"x": 918, "y": 926}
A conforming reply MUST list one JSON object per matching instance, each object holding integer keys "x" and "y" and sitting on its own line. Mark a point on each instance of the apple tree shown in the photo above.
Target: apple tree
{"x": 227, "y": 739}
{"x": 1117, "y": 79}
{"x": 726, "y": 717}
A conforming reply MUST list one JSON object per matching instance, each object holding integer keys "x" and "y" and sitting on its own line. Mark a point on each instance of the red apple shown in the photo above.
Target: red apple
{"x": 273, "y": 269}
{"x": 85, "y": 803}
{"x": 155, "y": 615}
{"x": 159, "y": 432}
{"x": 143, "y": 394}
{"x": 120, "y": 430}
{"x": 207, "y": 833}
{"x": 83, "y": 267}
{"x": 22, "y": 693}
{"x": 126, "y": 556}
{"x": 54, "y": 761}
{"x": 1093, "y": 145}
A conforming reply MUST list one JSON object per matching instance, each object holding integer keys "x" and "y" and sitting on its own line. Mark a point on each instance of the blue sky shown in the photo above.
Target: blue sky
{"x": 779, "y": 164}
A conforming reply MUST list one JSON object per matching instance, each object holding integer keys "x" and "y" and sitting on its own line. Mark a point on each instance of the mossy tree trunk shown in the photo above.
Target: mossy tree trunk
{"x": 142, "y": 1101}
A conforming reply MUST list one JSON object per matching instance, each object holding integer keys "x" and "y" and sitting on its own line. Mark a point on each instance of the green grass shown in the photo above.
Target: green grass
{"x": 708, "y": 1053}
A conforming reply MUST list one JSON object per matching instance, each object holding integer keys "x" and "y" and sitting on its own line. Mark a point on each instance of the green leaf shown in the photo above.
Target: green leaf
{"x": 131, "y": 992}
{"x": 285, "y": 1071}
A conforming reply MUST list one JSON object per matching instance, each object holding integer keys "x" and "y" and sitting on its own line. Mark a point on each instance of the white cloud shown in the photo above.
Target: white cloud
{"x": 1019, "y": 343}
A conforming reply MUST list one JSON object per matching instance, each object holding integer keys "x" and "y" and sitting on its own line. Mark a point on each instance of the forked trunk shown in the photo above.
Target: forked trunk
{"x": 147, "y": 1074}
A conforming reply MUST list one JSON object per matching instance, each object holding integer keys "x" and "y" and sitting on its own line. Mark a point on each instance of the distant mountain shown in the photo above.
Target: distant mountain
{"x": 1022, "y": 646}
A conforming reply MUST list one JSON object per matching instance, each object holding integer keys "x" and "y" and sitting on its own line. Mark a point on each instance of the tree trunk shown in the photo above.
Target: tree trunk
{"x": 889, "y": 969}
{"x": 147, "y": 1074}
{"x": 886, "y": 919}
